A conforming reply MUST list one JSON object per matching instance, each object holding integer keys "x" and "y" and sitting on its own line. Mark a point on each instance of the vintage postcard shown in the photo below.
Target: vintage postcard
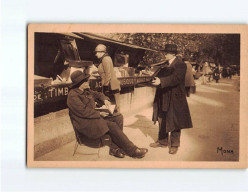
{"x": 174, "y": 96}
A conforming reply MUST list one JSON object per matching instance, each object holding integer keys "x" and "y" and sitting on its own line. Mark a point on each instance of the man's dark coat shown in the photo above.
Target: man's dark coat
{"x": 170, "y": 97}
{"x": 83, "y": 115}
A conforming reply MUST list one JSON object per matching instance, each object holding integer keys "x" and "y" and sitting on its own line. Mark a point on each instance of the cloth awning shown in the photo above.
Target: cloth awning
{"x": 98, "y": 38}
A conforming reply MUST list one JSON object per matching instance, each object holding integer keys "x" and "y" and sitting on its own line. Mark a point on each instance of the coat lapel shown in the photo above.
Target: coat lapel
{"x": 174, "y": 62}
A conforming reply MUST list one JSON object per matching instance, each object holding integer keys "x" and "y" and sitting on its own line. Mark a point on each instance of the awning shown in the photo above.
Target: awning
{"x": 71, "y": 35}
{"x": 98, "y": 38}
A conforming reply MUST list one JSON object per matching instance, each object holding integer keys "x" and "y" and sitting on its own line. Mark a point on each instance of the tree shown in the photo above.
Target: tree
{"x": 221, "y": 49}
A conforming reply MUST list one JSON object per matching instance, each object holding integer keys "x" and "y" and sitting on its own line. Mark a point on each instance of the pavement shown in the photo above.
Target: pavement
{"x": 214, "y": 111}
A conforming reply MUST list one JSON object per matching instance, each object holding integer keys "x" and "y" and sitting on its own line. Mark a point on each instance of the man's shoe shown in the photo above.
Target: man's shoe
{"x": 140, "y": 153}
{"x": 173, "y": 150}
{"x": 116, "y": 152}
{"x": 157, "y": 144}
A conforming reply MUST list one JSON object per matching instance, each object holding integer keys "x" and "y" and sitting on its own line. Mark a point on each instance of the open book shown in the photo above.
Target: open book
{"x": 109, "y": 110}
{"x": 161, "y": 69}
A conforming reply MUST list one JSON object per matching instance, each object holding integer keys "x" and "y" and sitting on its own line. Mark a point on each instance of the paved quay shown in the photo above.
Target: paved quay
{"x": 215, "y": 114}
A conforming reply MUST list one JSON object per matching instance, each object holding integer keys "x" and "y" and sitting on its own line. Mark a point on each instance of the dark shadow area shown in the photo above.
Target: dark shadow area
{"x": 145, "y": 125}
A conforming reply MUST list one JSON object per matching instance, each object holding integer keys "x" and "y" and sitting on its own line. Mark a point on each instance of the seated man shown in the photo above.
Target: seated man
{"x": 91, "y": 123}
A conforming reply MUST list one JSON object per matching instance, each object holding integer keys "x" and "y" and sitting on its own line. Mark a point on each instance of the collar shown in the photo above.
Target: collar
{"x": 100, "y": 61}
{"x": 171, "y": 60}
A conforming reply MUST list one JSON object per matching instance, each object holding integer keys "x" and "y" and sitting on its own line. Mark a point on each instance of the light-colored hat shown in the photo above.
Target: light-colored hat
{"x": 101, "y": 48}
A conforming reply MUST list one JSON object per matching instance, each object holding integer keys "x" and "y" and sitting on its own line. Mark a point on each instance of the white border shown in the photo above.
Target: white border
{"x": 15, "y": 16}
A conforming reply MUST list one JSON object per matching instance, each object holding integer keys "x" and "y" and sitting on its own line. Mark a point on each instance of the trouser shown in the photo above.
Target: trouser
{"x": 163, "y": 136}
{"x": 118, "y": 119}
{"x": 119, "y": 139}
{"x": 187, "y": 89}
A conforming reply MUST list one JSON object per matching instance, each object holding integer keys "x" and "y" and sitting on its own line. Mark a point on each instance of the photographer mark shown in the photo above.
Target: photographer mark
{"x": 223, "y": 151}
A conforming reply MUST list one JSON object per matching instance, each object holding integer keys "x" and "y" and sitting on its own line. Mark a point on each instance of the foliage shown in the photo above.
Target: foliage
{"x": 221, "y": 49}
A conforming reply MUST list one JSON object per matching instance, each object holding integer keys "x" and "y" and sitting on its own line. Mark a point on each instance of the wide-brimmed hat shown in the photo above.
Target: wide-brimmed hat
{"x": 77, "y": 77}
{"x": 170, "y": 48}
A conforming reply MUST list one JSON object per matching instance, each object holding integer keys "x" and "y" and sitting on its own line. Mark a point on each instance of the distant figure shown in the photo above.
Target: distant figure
{"x": 110, "y": 82}
{"x": 216, "y": 74}
{"x": 207, "y": 72}
{"x": 229, "y": 72}
{"x": 189, "y": 78}
{"x": 94, "y": 124}
{"x": 194, "y": 72}
{"x": 170, "y": 107}
{"x": 204, "y": 72}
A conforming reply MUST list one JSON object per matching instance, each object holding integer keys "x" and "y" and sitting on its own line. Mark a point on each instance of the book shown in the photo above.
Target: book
{"x": 110, "y": 109}
{"x": 161, "y": 70}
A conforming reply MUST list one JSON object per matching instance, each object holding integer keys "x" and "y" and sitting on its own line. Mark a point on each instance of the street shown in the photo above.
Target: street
{"x": 214, "y": 111}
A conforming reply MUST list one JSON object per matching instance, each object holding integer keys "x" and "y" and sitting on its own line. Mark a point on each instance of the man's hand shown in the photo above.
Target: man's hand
{"x": 107, "y": 103}
{"x": 156, "y": 81}
{"x": 104, "y": 114}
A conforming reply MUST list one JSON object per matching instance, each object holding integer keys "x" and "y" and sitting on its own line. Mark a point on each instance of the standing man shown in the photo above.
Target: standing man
{"x": 110, "y": 82}
{"x": 170, "y": 107}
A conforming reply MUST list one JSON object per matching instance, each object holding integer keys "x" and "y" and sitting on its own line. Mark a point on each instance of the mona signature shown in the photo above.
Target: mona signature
{"x": 223, "y": 151}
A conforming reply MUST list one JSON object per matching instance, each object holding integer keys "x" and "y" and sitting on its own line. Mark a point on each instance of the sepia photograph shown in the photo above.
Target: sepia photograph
{"x": 136, "y": 96}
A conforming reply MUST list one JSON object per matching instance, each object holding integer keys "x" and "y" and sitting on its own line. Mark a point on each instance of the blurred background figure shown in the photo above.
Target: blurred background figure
{"x": 207, "y": 72}
{"x": 189, "y": 78}
{"x": 216, "y": 74}
{"x": 229, "y": 72}
{"x": 204, "y": 72}
{"x": 194, "y": 72}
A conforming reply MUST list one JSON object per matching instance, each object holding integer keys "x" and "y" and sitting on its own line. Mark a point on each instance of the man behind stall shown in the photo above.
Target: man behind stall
{"x": 170, "y": 107}
{"x": 94, "y": 124}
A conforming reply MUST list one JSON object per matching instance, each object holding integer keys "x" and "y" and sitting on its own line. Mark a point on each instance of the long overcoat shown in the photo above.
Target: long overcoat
{"x": 83, "y": 115}
{"x": 170, "y": 97}
{"x": 107, "y": 73}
